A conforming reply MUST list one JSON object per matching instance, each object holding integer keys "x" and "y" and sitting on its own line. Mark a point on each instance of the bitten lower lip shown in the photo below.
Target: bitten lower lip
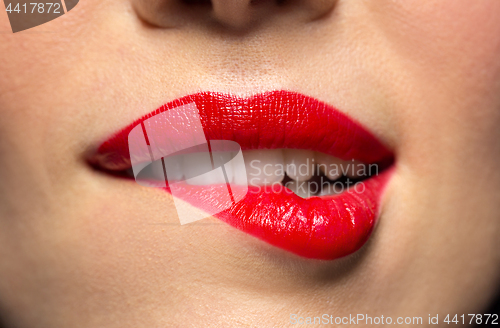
{"x": 325, "y": 227}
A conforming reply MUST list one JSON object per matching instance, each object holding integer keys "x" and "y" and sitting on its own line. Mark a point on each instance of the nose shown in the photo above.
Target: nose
{"x": 236, "y": 13}
{"x": 231, "y": 14}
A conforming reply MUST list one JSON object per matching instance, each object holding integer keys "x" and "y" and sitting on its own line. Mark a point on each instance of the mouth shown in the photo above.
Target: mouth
{"x": 314, "y": 176}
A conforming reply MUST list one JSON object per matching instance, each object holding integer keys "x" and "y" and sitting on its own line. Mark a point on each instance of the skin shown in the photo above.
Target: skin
{"x": 80, "y": 248}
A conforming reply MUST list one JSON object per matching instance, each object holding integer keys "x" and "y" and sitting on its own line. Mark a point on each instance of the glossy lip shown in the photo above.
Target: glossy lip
{"x": 326, "y": 227}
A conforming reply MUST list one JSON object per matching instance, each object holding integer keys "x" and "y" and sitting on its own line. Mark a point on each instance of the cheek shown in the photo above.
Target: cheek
{"x": 446, "y": 38}
{"x": 449, "y": 57}
{"x": 447, "y": 114}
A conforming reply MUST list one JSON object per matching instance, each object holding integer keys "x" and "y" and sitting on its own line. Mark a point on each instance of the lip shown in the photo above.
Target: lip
{"x": 326, "y": 227}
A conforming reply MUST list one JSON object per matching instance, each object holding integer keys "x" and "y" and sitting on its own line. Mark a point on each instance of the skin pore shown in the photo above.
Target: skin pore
{"x": 80, "y": 248}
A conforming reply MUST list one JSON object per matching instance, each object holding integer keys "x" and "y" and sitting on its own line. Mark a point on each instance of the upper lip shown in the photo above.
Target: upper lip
{"x": 323, "y": 228}
{"x": 276, "y": 119}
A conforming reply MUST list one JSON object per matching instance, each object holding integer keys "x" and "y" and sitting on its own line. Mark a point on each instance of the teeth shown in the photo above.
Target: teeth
{"x": 299, "y": 188}
{"x": 173, "y": 167}
{"x": 299, "y": 164}
{"x": 197, "y": 169}
{"x": 329, "y": 165}
{"x": 208, "y": 178}
{"x": 223, "y": 157}
{"x": 264, "y": 167}
{"x": 239, "y": 170}
{"x": 303, "y": 189}
{"x": 157, "y": 171}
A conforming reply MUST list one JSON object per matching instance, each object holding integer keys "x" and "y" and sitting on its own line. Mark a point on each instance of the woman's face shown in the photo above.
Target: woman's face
{"x": 80, "y": 247}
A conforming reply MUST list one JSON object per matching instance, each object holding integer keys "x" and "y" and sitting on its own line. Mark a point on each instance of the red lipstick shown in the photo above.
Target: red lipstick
{"x": 326, "y": 227}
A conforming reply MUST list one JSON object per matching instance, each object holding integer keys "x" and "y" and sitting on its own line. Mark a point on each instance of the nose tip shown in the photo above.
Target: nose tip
{"x": 234, "y": 13}
{"x": 241, "y": 13}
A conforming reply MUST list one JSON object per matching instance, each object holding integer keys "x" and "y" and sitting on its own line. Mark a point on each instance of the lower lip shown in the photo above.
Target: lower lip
{"x": 326, "y": 228}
